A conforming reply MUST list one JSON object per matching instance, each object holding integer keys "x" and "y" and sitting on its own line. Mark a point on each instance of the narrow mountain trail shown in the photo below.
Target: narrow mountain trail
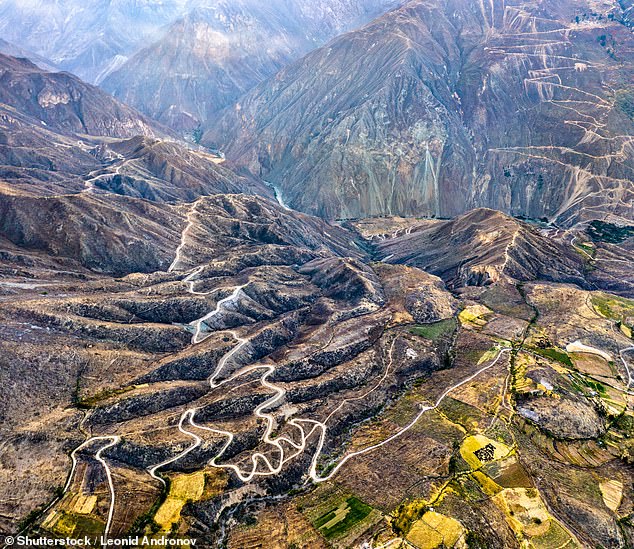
{"x": 198, "y": 336}
{"x": 554, "y": 82}
{"x": 289, "y": 449}
{"x": 596, "y": 259}
{"x": 110, "y": 442}
{"x": 306, "y": 436}
{"x": 284, "y": 448}
{"x": 424, "y": 409}
{"x": 196, "y": 443}
{"x": 630, "y": 378}
{"x": 186, "y": 230}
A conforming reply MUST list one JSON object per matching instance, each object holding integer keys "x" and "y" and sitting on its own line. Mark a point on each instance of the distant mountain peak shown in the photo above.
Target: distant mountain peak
{"x": 216, "y": 52}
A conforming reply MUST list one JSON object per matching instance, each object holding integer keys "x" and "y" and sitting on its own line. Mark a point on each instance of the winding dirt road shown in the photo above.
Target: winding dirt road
{"x": 287, "y": 448}
{"x": 111, "y": 441}
{"x": 284, "y": 448}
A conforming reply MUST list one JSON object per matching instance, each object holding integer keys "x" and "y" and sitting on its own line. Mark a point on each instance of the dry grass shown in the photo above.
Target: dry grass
{"x": 612, "y": 492}
{"x": 526, "y": 512}
{"x": 183, "y": 488}
{"x": 169, "y": 513}
{"x": 592, "y": 364}
{"x": 489, "y": 486}
{"x": 85, "y": 505}
{"x": 527, "y": 515}
{"x": 474, "y": 316}
{"x": 424, "y": 536}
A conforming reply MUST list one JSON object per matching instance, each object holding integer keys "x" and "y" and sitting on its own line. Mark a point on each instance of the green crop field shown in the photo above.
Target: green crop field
{"x": 436, "y": 330}
{"x": 555, "y": 354}
{"x": 337, "y": 521}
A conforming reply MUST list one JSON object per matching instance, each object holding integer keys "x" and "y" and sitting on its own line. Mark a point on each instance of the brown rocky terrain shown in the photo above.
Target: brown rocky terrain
{"x": 480, "y": 247}
{"x": 45, "y": 116}
{"x": 265, "y": 324}
{"x": 66, "y": 104}
{"x": 483, "y": 246}
{"x": 182, "y": 355}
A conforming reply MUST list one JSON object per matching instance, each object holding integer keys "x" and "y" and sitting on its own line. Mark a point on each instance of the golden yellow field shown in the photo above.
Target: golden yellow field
{"x": 527, "y": 515}
{"x": 183, "y": 488}
{"x": 198, "y": 486}
{"x": 474, "y": 443}
{"x": 435, "y": 530}
{"x": 85, "y": 504}
{"x": 612, "y": 492}
{"x": 474, "y": 315}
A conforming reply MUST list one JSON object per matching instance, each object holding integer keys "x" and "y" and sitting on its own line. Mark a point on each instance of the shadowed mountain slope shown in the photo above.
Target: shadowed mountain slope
{"x": 120, "y": 235}
{"x": 483, "y": 247}
{"x": 59, "y": 135}
{"x": 63, "y": 103}
{"x": 478, "y": 248}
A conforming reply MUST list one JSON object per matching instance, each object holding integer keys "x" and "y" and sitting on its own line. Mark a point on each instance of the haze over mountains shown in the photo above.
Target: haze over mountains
{"x": 455, "y": 112}
{"x": 86, "y": 37}
{"x": 220, "y": 50}
{"x": 320, "y": 274}
{"x": 214, "y": 51}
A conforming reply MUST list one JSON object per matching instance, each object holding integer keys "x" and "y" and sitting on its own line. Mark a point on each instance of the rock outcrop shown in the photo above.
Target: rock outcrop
{"x": 481, "y": 247}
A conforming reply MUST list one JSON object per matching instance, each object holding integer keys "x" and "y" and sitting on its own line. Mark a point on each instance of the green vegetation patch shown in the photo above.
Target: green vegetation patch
{"x": 555, "y": 354}
{"x": 555, "y": 536}
{"x": 469, "y": 417}
{"x": 625, "y": 102}
{"x": 600, "y": 231}
{"x": 613, "y": 307}
{"x": 435, "y": 330}
{"x": 94, "y": 400}
{"x": 581, "y": 381}
{"x": 338, "y": 521}
{"x": 625, "y": 424}
{"x": 587, "y": 248}
{"x": 596, "y": 386}
{"x": 406, "y": 514}
{"x": 73, "y": 525}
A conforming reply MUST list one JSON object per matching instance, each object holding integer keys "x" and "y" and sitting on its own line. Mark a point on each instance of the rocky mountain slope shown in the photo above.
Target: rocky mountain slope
{"x": 485, "y": 246}
{"x": 479, "y": 247}
{"x": 61, "y": 136}
{"x": 6, "y": 48}
{"x": 65, "y": 104}
{"x": 246, "y": 351}
{"x": 183, "y": 356}
{"x": 440, "y": 107}
{"x": 220, "y": 50}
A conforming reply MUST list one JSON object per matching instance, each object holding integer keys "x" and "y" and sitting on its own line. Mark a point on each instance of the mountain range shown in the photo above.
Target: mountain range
{"x": 214, "y": 50}
{"x": 214, "y": 54}
{"x": 439, "y": 107}
{"x": 88, "y": 38}
{"x": 329, "y": 274}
